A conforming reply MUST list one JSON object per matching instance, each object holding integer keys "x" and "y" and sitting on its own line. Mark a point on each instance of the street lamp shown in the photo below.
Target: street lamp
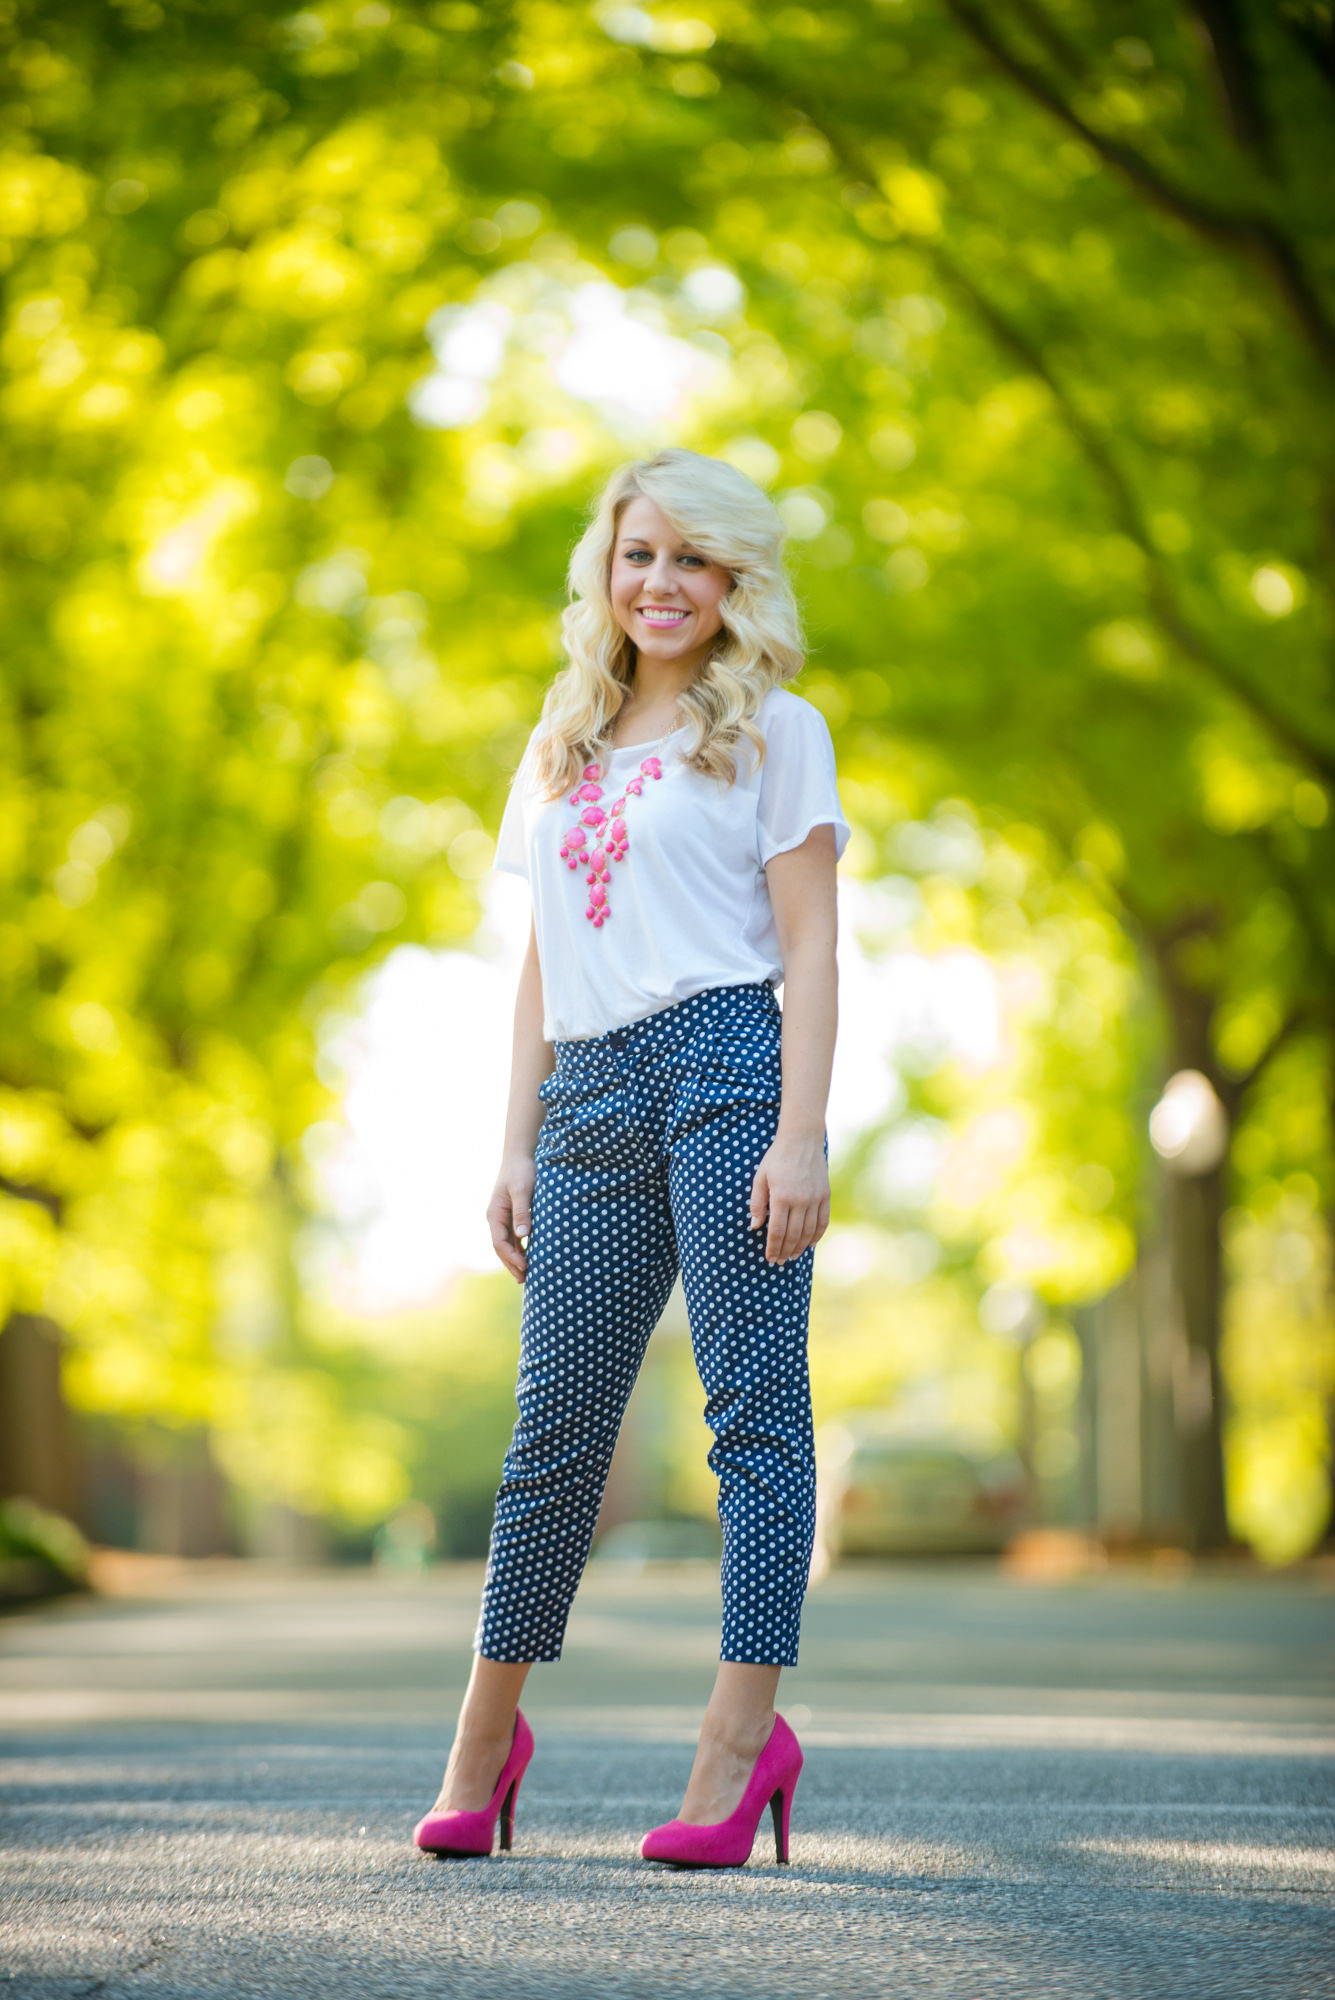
{"x": 1189, "y": 1125}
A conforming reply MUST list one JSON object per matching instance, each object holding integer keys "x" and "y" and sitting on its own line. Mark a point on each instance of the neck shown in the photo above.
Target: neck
{"x": 659, "y": 683}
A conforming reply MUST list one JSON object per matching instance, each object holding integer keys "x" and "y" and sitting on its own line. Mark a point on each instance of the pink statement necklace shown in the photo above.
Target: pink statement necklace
{"x": 608, "y": 828}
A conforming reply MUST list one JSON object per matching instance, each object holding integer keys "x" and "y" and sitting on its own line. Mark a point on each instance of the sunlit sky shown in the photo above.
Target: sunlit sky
{"x": 607, "y": 348}
{"x": 409, "y": 1171}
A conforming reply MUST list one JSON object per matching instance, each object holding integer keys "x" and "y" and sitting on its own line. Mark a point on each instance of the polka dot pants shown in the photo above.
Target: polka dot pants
{"x": 645, "y": 1161}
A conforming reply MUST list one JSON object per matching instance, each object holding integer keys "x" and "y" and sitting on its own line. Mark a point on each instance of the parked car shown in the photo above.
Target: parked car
{"x": 886, "y": 1486}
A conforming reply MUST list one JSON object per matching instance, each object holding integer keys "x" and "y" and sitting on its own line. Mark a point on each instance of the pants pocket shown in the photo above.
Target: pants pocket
{"x": 744, "y": 1062}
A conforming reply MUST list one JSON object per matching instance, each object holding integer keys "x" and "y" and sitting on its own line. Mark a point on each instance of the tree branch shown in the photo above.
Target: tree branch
{"x": 1012, "y": 340}
{"x": 1061, "y": 49}
{"x": 773, "y": 90}
{"x": 1162, "y": 597}
{"x": 1315, "y": 37}
{"x": 46, "y": 1198}
{"x": 1255, "y": 236}
{"x": 1090, "y": 441}
{"x": 1224, "y": 33}
{"x": 1303, "y": 1014}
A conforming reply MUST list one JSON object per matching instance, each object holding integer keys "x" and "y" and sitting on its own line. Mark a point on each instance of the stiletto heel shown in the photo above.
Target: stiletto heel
{"x": 456, "y": 1834}
{"x": 779, "y": 1807}
{"x": 728, "y": 1842}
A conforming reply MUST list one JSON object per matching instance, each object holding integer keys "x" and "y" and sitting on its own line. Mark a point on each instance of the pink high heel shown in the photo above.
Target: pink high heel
{"x": 455, "y": 1834}
{"x": 728, "y": 1842}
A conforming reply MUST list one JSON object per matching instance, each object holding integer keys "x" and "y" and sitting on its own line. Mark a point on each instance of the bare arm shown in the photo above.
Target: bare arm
{"x": 792, "y": 1182}
{"x": 509, "y": 1212}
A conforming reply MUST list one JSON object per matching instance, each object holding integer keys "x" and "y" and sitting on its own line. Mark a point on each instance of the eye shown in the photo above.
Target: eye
{"x": 635, "y": 556}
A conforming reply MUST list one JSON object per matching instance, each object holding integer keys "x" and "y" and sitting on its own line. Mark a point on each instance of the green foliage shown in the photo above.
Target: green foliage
{"x": 434, "y": 1393}
{"x": 40, "y": 1552}
{"x": 238, "y": 767}
{"x": 1025, "y": 318}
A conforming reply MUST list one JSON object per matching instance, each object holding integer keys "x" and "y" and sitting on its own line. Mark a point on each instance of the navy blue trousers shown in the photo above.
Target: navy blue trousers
{"x": 645, "y": 1160}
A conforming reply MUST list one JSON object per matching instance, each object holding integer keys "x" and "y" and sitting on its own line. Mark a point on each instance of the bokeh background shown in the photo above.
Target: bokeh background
{"x": 320, "y": 330}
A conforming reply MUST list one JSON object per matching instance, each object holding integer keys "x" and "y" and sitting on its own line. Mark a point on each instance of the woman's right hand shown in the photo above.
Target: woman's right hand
{"x": 510, "y": 1212}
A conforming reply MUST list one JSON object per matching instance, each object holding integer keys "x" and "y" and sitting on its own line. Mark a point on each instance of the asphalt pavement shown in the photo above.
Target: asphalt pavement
{"x": 1115, "y": 1785}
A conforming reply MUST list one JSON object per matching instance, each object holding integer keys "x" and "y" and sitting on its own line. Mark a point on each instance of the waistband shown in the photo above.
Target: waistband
{"x": 667, "y": 1026}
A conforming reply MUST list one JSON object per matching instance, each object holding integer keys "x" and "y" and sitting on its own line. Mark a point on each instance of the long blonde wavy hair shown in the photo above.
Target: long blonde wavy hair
{"x": 724, "y": 515}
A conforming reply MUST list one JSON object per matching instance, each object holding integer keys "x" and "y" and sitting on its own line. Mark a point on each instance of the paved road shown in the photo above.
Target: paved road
{"x": 1108, "y": 1787}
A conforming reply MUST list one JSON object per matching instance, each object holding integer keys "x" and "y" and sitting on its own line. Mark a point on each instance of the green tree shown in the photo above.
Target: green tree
{"x": 1052, "y": 318}
{"x": 1024, "y": 315}
{"x": 238, "y": 763}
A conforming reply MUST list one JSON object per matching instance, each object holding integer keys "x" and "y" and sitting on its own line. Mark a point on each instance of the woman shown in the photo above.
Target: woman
{"x": 676, "y": 814}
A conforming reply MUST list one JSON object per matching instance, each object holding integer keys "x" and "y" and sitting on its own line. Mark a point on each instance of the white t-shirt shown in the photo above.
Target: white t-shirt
{"x": 679, "y": 898}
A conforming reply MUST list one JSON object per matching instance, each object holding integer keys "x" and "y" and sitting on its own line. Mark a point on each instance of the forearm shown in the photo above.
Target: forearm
{"x": 532, "y": 1059}
{"x": 810, "y": 1021}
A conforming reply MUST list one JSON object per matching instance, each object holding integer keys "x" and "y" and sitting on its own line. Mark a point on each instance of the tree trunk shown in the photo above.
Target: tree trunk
{"x": 1161, "y": 1339}
{"x": 38, "y": 1459}
{"x": 1328, "y": 1537}
{"x": 1196, "y": 1204}
{"x": 1195, "y": 1208}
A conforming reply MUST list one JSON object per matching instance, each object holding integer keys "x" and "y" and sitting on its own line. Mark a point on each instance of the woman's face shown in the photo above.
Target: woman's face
{"x": 665, "y": 593}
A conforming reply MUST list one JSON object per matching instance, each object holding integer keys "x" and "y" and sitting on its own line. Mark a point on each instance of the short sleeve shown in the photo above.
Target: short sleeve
{"x": 511, "y": 840}
{"x": 799, "y": 785}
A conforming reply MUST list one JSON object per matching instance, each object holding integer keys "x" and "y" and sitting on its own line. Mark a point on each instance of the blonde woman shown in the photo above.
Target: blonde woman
{"x": 677, "y": 817}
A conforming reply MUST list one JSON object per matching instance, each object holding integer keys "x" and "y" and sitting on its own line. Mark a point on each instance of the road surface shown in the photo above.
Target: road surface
{"x": 1113, "y": 1786}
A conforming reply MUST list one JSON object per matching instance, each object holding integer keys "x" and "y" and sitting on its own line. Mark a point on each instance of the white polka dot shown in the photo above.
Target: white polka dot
{"x": 645, "y": 1161}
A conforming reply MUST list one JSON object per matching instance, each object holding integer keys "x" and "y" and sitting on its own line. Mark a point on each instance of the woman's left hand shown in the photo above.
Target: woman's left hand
{"x": 792, "y": 1188}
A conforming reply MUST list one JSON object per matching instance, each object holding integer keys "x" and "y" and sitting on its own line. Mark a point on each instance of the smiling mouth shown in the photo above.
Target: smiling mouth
{"x": 664, "y": 618}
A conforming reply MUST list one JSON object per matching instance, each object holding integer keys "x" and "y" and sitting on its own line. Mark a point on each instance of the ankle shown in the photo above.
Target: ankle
{"x": 484, "y": 1731}
{"x": 744, "y": 1732}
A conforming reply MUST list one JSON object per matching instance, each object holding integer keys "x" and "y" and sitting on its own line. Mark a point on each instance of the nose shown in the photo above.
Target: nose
{"x": 659, "y": 578}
